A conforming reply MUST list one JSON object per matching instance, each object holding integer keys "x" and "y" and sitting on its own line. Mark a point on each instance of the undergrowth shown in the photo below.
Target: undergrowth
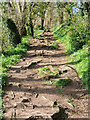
{"x": 75, "y": 38}
{"x": 47, "y": 73}
{"x": 50, "y": 77}
{"x": 54, "y": 45}
{"x": 8, "y": 58}
{"x": 38, "y": 33}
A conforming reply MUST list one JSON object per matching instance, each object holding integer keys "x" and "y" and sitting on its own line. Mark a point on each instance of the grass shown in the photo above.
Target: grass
{"x": 74, "y": 38}
{"x": 81, "y": 57}
{"x": 54, "y": 46}
{"x": 62, "y": 82}
{"x": 10, "y": 57}
{"x": 70, "y": 100}
{"x": 38, "y": 33}
{"x": 46, "y": 73}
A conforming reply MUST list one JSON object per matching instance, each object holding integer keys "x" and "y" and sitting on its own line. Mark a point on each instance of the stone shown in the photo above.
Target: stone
{"x": 26, "y": 66}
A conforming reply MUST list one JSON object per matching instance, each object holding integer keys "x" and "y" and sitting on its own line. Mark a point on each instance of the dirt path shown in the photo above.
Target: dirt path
{"x": 28, "y": 95}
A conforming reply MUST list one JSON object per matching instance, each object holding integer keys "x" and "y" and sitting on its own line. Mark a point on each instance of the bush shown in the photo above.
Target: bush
{"x": 38, "y": 33}
{"x": 75, "y": 38}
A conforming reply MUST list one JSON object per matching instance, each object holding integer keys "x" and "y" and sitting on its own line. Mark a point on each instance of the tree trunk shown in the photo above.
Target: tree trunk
{"x": 70, "y": 17}
{"x": 14, "y": 37}
{"x": 31, "y": 26}
{"x": 42, "y": 23}
{"x": 87, "y": 5}
{"x": 82, "y": 9}
{"x": 61, "y": 17}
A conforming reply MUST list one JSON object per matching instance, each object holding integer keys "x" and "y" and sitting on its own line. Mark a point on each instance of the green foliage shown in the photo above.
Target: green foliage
{"x": 54, "y": 46}
{"x": 70, "y": 100}
{"x": 38, "y": 27}
{"x": 75, "y": 38}
{"x": 62, "y": 82}
{"x": 48, "y": 82}
{"x": 42, "y": 74}
{"x": 45, "y": 68}
{"x": 81, "y": 59}
{"x": 38, "y": 33}
{"x": 11, "y": 56}
{"x": 46, "y": 73}
{"x": 1, "y": 115}
{"x": 80, "y": 54}
{"x": 74, "y": 105}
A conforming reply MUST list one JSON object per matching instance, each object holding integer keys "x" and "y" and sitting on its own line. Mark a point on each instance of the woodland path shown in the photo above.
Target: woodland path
{"x": 28, "y": 95}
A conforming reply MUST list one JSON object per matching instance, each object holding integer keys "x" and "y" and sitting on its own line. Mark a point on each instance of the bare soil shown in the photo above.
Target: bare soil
{"x": 28, "y": 97}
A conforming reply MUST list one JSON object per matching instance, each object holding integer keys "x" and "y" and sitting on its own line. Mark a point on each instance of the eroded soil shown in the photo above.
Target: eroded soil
{"x": 28, "y": 95}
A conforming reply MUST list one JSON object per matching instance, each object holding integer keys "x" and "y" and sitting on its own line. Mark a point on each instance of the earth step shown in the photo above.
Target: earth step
{"x": 40, "y": 52}
{"x": 69, "y": 105}
{"x": 16, "y": 67}
{"x": 36, "y": 61}
{"x": 31, "y": 63}
{"x": 20, "y": 105}
{"x": 26, "y": 66}
{"x": 52, "y": 69}
{"x": 13, "y": 115}
{"x": 36, "y": 118}
{"x": 18, "y": 71}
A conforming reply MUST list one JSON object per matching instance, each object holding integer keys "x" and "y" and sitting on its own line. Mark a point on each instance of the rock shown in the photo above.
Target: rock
{"x": 69, "y": 105}
{"x": 52, "y": 69}
{"x": 36, "y": 95}
{"x": 26, "y": 66}
{"x": 61, "y": 115}
{"x": 31, "y": 63}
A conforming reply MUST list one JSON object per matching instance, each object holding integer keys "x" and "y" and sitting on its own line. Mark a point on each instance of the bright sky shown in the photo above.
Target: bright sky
{"x": 75, "y": 10}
